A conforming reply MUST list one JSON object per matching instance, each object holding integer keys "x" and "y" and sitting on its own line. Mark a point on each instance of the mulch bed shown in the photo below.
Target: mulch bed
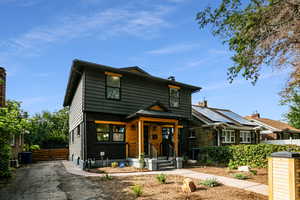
{"x": 114, "y": 170}
{"x": 260, "y": 177}
{"x": 119, "y": 188}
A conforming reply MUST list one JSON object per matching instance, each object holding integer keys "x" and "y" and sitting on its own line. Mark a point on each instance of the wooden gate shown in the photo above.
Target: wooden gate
{"x": 50, "y": 154}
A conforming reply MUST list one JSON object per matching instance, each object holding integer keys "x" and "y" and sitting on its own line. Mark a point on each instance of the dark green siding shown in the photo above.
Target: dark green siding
{"x": 136, "y": 93}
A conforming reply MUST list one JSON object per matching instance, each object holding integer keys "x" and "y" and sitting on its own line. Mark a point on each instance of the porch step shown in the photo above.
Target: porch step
{"x": 165, "y": 165}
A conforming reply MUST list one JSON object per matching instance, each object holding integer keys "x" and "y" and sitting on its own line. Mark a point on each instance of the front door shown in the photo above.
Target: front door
{"x": 146, "y": 138}
{"x": 167, "y": 142}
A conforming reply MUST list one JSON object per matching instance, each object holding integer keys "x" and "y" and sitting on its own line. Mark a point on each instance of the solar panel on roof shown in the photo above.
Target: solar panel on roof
{"x": 211, "y": 114}
{"x": 236, "y": 117}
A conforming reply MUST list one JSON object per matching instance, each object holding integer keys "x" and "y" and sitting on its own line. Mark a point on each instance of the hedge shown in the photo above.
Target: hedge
{"x": 239, "y": 155}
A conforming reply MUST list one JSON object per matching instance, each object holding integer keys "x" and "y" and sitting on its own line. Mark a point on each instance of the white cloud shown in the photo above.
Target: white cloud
{"x": 177, "y": 48}
{"x": 22, "y": 3}
{"x": 101, "y": 24}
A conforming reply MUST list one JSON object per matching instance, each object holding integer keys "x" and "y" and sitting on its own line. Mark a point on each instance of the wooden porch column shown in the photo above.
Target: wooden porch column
{"x": 176, "y": 139}
{"x": 141, "y": 137}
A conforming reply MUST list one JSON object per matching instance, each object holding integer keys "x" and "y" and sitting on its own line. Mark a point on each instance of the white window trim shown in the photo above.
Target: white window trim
{"x": 225, "y": 133}
{"x": 244, "y": 135}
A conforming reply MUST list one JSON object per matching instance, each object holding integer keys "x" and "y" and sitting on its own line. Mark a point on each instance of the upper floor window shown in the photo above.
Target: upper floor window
{"x": 174, "y": 96}
{"x": 228, "y": 136}
{"x": 245, "y": 137}
{"x": 113, "y": 86}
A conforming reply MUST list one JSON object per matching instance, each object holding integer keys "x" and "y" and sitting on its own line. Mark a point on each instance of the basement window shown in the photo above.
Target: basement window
{"x": 113, "y": 87}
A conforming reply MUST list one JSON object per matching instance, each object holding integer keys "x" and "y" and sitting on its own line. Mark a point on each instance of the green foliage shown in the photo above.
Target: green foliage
{"x": 49, "y": 130}
{"x": 253, "y": 155}
{"x": 137, "y": 190}
{"x": 258, "y": 32}
{"x": 161, "y": 178}
{"x": 253, "y": 172}
{"x": 210, "y": 182}
{"x": 293, "y": 115}
{"x": 114, "y": 164}
{"x": 12, "y": 122}
{"x": 107, "y": 177}
{"x": 240, "y": 176}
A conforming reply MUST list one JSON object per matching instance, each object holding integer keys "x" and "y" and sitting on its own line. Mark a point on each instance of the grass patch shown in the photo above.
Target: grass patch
{"x": 137, "y": 190}
{"x": 240, "y": 176}
{"x": 162, "y": 178}
{"x": 210, "y": 182}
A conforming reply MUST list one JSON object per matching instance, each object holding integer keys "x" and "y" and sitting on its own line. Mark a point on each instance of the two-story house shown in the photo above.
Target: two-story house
{"x": 124, "y": 113}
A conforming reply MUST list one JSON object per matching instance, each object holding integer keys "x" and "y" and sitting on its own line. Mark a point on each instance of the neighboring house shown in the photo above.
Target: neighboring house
{"x": 274, "y": 129}
{"x": 219, "y": 127}
{"x": 17, "y": 142}
{"x": 123, "y": 113}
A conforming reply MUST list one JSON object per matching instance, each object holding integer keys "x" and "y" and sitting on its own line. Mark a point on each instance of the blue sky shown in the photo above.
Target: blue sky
{"x": 40, "y": 38}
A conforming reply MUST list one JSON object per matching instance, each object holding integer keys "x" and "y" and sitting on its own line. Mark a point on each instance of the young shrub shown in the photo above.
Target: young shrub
{"x": 162, "y": 178}
{"x": 137, "y": 190}
{"x": 253, "y": 172}
{"x": 107, "y": 177}
{"x": 240, "y": 176}
{"x": 114, "y": 164}
{"x": 210, "y": 182}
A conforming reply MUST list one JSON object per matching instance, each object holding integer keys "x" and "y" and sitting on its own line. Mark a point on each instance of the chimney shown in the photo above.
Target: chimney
{"x": 172, "y": 78}
{"x": 255, "y": 115}
{"x": 2, "y": 86}
{"x": 203, "y": 103}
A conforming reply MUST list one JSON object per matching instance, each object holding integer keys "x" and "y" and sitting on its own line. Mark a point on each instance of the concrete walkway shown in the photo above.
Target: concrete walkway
{"x": 245, "y": 185}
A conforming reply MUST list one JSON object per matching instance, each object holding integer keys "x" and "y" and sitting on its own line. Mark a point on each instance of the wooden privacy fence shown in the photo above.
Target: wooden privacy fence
{"x": 50, "y": 154}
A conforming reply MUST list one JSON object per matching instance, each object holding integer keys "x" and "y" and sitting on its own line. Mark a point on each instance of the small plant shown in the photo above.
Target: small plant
{"x": 210, "y": 182}
{"x": 162, "y": 178}
{"x": 137, "y": 190}
{"x": 253, "y": 172}
{"x": 114, "y": 164}
{"x": 107, "y": 177}
{"x": 240, "y": 176}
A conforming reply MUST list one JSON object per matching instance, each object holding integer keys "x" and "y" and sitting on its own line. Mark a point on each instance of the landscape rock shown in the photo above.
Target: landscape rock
{"x": 188, "y": 185}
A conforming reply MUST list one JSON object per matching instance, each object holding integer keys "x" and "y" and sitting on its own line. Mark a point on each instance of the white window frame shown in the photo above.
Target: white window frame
{"x": 228, "y": 136}
{"x": 245, "y": 137}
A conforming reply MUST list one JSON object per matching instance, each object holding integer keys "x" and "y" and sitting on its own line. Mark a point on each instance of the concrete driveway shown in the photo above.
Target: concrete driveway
{"x": 50, "y": 181}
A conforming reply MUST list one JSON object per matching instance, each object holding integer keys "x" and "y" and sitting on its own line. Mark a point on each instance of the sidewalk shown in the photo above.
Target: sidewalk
{"x": 245, "y": 185}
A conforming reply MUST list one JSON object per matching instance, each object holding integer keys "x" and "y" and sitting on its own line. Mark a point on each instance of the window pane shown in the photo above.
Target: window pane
{"x": 102, "y": 128}
{"x": 113, "y": 93}
{"x": 113, "y": 81}
{"x": 174, "y": 102}
{"x": 118, "y": 137}
{"x": 174, "y": 92}
{"x": 101, "y": 137}
{"x": 174, "y": 97}
{"x": 118, "y": 129}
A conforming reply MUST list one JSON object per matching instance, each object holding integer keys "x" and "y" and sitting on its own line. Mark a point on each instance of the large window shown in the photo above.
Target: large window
{"x": 113, "y": 87}
{"x": 245, "y": 137}
{"x": 174, "y": 97}
{"x": 108, "y": 133}
{"x": 102, "y": 131}
{"x": 228, "y": 136}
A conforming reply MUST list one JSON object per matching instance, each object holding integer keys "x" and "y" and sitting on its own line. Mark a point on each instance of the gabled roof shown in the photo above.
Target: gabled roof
{"x": 211, "y": 116}
{"x": 149, "y": 112}
{"x": 135, "y": 69}
{"x": 274, "y": 125}
{"x": 78, "y": 67}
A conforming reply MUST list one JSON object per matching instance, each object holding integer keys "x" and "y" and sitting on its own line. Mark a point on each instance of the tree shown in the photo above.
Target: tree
{"x": 260, "y": 33}
{"x": 12, "y": 122}
{"x": 49, "y": 129}
{"x": 293, "y": 116}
